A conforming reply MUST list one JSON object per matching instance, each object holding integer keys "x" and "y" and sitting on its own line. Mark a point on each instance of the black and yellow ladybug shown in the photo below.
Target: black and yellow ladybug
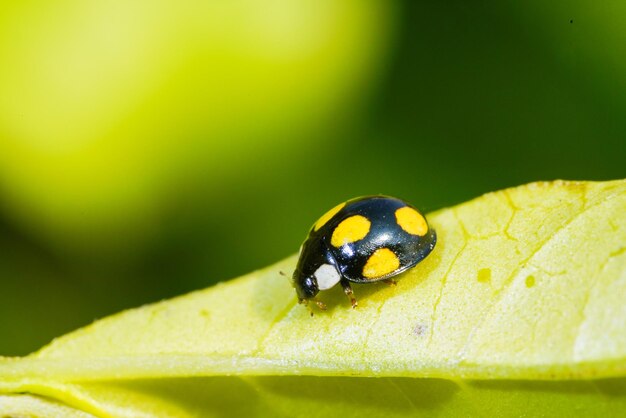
{"x": 363, "y": 240}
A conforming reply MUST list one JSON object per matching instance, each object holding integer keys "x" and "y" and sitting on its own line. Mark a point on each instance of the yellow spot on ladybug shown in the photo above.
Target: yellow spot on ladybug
{"x": 349, "y": 230}
{"x": 381, "y": 263}
{"x": 328, "y": 216}
{"x": 411, "y": 221}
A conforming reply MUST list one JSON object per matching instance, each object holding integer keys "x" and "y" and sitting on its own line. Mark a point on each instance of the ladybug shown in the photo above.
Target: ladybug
{"x": 363, "y": 240}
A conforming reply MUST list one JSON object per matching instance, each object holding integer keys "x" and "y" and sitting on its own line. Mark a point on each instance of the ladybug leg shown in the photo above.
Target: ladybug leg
{"x": 347, "y": 289}
{"x": 320, "y": 304}
{"x": 390, "y": 282}
{"x": 305, "y": 302}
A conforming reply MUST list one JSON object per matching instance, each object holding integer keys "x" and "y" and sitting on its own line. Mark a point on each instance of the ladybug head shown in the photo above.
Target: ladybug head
{"x": 306, "y": 286}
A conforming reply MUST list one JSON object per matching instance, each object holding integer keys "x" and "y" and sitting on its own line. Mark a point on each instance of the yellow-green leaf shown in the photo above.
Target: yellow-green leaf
{"x": 519, "y": 310}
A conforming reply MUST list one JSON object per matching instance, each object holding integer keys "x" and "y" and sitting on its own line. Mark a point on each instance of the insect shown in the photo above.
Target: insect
{"x": 363, "y": 240}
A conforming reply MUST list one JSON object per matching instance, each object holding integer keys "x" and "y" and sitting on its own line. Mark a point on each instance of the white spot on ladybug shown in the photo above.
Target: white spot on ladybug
{"x": 327, "y": 276}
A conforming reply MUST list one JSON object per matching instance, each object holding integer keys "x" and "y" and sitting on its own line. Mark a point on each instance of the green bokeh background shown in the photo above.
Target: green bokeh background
{"x": 150, "y": 150}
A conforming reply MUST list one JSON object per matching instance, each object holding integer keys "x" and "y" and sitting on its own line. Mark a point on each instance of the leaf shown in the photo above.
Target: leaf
{"x": 519, "y": 310}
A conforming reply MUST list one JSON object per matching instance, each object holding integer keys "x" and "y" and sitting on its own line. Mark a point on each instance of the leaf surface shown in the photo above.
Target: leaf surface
{"x": 520, "y": 307}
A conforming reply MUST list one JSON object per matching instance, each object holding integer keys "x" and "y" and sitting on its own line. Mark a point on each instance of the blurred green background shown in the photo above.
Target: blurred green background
{"x": 150, "y": 149}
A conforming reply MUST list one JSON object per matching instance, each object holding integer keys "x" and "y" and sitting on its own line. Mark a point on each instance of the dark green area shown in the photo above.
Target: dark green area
{"x": 476, "y": 97}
